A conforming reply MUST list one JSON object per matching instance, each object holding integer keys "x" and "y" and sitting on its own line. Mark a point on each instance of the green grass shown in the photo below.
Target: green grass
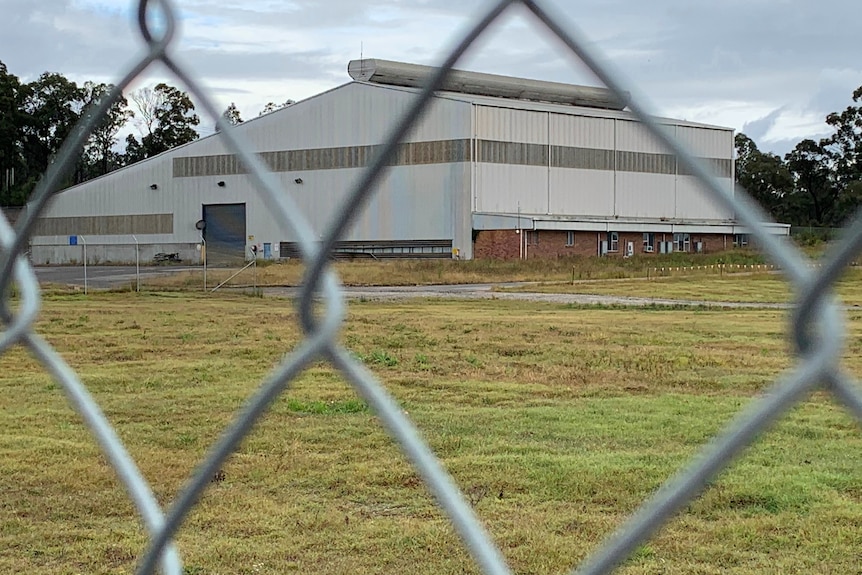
{"x": 556, "y": 422}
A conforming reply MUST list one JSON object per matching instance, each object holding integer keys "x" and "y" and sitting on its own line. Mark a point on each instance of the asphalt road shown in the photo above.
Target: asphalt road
{"x": 101, "y": 277}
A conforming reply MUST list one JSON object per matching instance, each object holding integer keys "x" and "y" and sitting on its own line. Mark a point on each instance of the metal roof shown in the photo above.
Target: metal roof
{"x": 475, "y": 83}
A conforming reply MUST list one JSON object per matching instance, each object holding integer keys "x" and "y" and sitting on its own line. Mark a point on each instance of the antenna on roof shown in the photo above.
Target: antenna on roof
{"x": 361, "y": 58}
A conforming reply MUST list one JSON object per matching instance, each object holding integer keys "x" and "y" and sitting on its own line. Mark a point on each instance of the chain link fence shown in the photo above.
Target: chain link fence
{"x": 817, "y": 327}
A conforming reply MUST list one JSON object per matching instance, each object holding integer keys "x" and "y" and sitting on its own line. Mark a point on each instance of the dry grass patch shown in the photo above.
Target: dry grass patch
{"x": 433, "y": 271}
{"x": 754, "y": 287}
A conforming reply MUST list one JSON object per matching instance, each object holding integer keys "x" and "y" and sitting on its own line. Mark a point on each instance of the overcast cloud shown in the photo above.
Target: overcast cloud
{"x": 770, "y": 68}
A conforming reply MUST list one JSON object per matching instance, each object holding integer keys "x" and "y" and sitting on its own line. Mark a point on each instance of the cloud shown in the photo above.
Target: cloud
{"x": 757, "y": 129}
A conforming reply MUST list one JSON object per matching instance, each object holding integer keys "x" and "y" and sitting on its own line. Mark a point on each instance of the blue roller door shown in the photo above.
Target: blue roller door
{"x": 224, "y": 233}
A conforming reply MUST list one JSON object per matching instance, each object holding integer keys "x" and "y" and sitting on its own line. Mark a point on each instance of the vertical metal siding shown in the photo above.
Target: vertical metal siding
{"x": 350, "y": 115}
{"x": 511, "y": 125}
{"x": 631, "y": 136}
{"x": 693, "y": 202}
{"x": 412, "y": 202}
{"x": 581, "y": 192}
{"x": 707, "y": 143}
{"x": 641, "y": 195}
{"x": 581, "y": 132}
{"x": 502, "y": 188}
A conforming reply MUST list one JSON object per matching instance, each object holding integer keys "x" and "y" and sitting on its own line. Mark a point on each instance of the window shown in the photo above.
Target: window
{"x": 613, "y": 241}
{"x": 649, "y": 242}
{"x": 533, "y": 237}
{"x": 570, "y": 239}
{"x": 682, "y": 242}
{"x": 740, "y": 240}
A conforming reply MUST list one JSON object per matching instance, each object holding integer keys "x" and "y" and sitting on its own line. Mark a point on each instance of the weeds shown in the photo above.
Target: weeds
{"x": 326, "y": 407}
{"x": 379, "y": 357}
{"x": 429, "y": 272}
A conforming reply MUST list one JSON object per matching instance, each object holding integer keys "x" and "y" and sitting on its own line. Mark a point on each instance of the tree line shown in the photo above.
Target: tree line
{"x": 818, "y": 183}
{"x": 37, "y": 117}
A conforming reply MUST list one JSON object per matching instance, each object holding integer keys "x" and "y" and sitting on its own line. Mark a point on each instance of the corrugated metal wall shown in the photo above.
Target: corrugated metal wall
{"x": 414, "y": 202}
{"x": 582, "y": 131}
{"x": 602, "y": 167}
{"x": 691, "y": 198}
{"x": 510, "y": 125}
{"x": 583, "y": 192}
{"x": 350, "y": 115}
{"x": 538, "y": 161}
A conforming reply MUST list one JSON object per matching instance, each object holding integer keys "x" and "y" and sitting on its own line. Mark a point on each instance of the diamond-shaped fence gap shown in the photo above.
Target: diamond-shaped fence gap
{"x": 518, "y": 39}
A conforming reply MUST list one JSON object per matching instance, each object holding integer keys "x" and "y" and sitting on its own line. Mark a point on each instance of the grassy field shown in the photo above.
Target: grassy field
{"x": 556, "y": 421}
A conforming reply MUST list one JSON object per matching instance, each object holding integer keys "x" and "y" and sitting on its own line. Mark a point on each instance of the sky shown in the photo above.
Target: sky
{"x": 770, "y": 68}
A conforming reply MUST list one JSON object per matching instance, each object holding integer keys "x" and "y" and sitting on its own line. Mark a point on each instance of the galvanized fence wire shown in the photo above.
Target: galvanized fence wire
{"x": 817, "y": 325}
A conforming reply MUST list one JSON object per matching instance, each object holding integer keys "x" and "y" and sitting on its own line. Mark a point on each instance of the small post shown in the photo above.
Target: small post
{"x": 137, "y": 264}
{"x": 573, "y": 275}
{"x": 84, "y": 244}
{"x": 204, "y": 257}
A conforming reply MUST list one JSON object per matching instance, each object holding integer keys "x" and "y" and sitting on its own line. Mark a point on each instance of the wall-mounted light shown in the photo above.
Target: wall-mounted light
{"x": 221, "y": 183}
{"x": 154, "y": 186}
{"x": 298, "y": 180}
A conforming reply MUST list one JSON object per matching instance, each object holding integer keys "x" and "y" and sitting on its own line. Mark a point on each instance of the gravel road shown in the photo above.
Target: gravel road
{"x": 111, "y": 276}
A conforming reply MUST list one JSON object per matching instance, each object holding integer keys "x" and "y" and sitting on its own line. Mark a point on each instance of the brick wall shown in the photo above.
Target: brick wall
{"x": 504, "y": 244}
{"x": 496, "y": 244}
{"x": 717, "y": 243}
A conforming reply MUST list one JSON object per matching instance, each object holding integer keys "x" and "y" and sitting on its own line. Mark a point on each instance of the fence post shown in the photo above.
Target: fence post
{"x": 137, "y": 264}
{"x": 84, "y": 244}
{"x": 204, "y": 258}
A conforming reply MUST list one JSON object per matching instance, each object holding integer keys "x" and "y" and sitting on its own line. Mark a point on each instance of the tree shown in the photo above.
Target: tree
{"x": 844, "y": 150}
{"x": 99, "y": 156}
{"x": 272, "y": 107}
{"x": 814, "y": 194}
{"x": 231, "y": 114}
{"x": 52, "y": 105}
{"x": 764, "y": 175}
{"x": 11, "y": 123}
{"x": 819, "y": 183}
{"x": 167, "y": 120}
{"x": 147, "y": 101}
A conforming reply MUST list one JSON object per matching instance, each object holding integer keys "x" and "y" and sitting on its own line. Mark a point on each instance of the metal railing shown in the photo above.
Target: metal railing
{"x": 817, "y": 322}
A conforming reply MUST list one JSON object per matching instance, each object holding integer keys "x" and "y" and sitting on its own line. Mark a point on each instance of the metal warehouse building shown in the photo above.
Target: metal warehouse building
{"x": 498, "y": 167}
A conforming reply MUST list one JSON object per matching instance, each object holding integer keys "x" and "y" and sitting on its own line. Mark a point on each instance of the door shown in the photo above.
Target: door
{"x": 267, "y": 251}
{"x": 224, "y": 233}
